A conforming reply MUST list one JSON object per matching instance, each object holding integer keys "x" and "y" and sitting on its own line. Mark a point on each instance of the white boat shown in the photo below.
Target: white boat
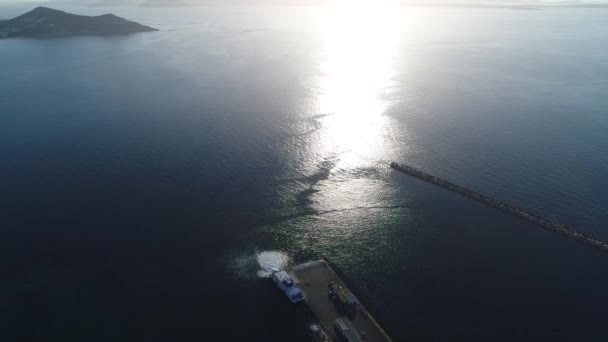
{"x": 286, "y": 284}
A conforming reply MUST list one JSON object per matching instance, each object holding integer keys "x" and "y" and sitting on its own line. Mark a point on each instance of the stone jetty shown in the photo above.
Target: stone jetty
{"x": 511, "y": 209}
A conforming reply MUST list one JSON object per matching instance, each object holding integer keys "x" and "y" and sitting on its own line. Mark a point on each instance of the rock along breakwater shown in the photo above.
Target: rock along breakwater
{"x": 513, "y": 210}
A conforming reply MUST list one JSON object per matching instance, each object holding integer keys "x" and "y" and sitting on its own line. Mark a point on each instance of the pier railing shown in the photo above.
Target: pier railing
{"x": 511, "y": 209}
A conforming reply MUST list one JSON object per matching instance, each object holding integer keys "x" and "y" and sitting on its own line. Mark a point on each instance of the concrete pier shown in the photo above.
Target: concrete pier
{"x": 315, "y": 278}
{"x": 513, "y": 210}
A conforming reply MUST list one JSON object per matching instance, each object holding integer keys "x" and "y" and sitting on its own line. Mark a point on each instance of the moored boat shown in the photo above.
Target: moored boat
{"x": 287, "y": 285}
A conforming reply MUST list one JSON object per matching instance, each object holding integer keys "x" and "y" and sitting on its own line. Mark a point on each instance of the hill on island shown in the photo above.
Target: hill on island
{"x": 45, "y": 22}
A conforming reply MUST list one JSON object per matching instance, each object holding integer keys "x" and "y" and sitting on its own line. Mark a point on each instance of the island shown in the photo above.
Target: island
{"x": 44, "y": 22}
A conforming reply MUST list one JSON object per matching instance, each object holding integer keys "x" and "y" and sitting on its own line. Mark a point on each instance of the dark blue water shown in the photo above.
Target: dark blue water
{"x": 142, "y": 175}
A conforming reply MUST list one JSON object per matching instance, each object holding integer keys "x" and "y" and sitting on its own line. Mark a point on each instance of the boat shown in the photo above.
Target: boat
{"x": 286, "y": 284}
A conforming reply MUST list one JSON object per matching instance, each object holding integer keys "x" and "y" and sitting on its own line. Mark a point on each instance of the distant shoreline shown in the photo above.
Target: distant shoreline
{"x": 187, "y": 4}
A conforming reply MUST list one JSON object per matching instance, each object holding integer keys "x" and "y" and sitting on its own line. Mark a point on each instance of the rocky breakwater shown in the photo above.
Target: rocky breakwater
{"x": 513, "y": 210}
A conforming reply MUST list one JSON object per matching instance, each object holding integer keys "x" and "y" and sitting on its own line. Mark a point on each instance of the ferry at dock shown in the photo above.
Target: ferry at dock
{"x": 287, "y": 285}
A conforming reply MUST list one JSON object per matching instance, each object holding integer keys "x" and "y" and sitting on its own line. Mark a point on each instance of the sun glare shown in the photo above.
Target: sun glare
{"x": 360, "y": 42}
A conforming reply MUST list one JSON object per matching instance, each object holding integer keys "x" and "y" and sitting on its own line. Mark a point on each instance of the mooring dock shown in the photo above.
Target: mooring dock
{"x": 315, "y": 279}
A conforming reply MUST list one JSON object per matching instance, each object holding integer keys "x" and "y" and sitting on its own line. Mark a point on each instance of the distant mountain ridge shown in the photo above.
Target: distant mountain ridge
{"x": 416, "y": 3}
{"x": 44, "y": 22}
{"x": 165, "y": 3}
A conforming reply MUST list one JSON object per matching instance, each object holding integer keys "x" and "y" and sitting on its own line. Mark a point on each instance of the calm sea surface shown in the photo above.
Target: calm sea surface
{"x": 142, "y": 177}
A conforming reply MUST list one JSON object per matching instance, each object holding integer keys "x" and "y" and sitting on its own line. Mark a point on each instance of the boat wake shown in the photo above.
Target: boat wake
{"x": 257, "y": 264}
{"x": 271, "y": 260}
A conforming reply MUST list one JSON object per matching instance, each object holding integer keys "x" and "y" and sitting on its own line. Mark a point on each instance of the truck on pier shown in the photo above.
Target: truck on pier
{"x": 346, "y": 330}
{"x": 344, "y": 299}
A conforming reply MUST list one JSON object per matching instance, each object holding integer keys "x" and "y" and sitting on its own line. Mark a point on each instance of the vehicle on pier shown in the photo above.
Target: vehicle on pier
{"x": 317, "y": 334}
{"x": 347, "y": 331}
{"x": 286, "y": 284}
{"x": 343, "y": 298}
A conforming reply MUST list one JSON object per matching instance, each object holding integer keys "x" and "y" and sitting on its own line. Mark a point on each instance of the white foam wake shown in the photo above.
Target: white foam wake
{"x": 254, "y": 264}
{"x": 270, "y": 260}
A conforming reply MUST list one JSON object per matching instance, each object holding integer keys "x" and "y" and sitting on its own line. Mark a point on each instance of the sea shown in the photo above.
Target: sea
{"x": 150, "y": 182}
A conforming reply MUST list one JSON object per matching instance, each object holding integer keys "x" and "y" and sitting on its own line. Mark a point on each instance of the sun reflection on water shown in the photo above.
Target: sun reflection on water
{"x": 360, "y": 43}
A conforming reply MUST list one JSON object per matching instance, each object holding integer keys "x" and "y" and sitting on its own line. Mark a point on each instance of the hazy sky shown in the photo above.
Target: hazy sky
{"x": 84, "y": 2}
